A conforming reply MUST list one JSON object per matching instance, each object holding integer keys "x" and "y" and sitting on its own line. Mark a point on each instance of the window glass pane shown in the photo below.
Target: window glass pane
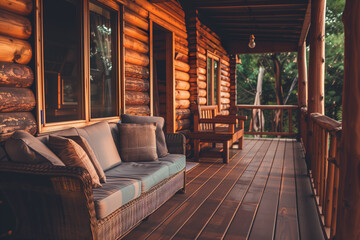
{"x": 209, "y": 82}
{"x": 102, "y": 60}
{"x": 216, "y": 74}
{"x": 62, "y": 60}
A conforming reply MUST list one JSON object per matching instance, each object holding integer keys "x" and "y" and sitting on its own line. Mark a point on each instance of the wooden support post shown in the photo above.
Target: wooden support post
{"x": 302, "y": 76}
{"x": 348, "y": 220}
{"x": 233, "y": 90}
{"x": 317, "y": 57}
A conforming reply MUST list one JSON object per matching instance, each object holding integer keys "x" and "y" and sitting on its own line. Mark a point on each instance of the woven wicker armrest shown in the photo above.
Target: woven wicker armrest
{"x": 176, "y": 143}
{"x": 59, "y": 196}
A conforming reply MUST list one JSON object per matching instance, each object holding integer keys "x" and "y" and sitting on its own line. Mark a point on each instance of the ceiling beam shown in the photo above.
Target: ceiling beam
{"x": 241, "y": 47}
{"x": 306, "y": 24}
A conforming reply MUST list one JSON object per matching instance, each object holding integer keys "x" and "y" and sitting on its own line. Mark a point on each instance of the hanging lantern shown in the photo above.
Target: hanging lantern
{"x": 252, "y": 43}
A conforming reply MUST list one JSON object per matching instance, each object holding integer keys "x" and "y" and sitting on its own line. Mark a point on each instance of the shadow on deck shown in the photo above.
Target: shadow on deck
{"x": 263, "y": 193}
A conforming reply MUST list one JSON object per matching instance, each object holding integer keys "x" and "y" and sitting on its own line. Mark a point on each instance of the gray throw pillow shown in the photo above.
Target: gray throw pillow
{"x": 161, "y": 147}
{"x": 137, "y": 142}
{"x": 24, "y": 147}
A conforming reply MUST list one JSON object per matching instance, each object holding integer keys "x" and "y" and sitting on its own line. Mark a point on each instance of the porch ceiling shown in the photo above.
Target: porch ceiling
{"x": 278, "y": 25}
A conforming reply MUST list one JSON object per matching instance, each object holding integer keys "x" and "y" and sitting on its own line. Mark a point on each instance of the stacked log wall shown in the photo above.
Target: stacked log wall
{"x": 170, "y": 15}
{"x": 17, "y": 99}
{"x": 203, "y": 40}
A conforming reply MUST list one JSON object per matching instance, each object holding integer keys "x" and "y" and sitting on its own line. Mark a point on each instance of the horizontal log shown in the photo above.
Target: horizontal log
{"x": 247, "y": 106}
{"x": 181, "y": 49}
{"x": 136, "y": 84}
{"x": 201, "y": 56}
{"x": 16, "y": 99}
{"x": 183, "y": 113}
{"x": 181, "y": 41}
{"x": 182, "y": 76}
{"x": 182, "y": 57}
{"x": 136, "y": 45}
{"x": 181, "y": 124}
{"x": 201, "y": 77}
{"x": 138, "y": 9}
{"x": 225, "y": 112}
{"x": 15, "y": 75}
{"x": 225, "y": 78}
{"x": 136, "y": 20}
{"x": 325, "y": 122}
{"x": 224, "y": 106}
{"x": 201, "y": 84}
{"x": 136, "y": 33}
{"x": 202, "y": 101}
{"x": 142, "y": 110}
{"x": 201, "y": 50}
{"x": 136, "y": 98}
{"x": 14, "y": 50}
{"x": 202, "y": 93}
{"x": 11, "y": 122}
{"x": 224, "y": 89}
{"x": 224, "y": 67}
{"x": 136, "y": 58}
{"x": 181, "y": 66}
{"x": 22, "y": 7}
{"x": 182, "y": 103}
{"x": 136, "y": 71}
{"x": 225, "y": 83}
{"x": 201, "y": 70}
{"x": 182, "y": 94}
{"x": 224, "y": 100}
{"x": 225, "y": 73}
{"x": 225, "y": 94}
{"x": 14, "y": 25}
{"x": 226, "y": 63}
{"x": 202, "y": 63}
{"x": 182, "y": 85}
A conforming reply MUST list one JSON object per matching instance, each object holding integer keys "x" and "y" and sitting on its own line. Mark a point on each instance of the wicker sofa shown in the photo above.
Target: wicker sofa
{"x": 59, "y": 202}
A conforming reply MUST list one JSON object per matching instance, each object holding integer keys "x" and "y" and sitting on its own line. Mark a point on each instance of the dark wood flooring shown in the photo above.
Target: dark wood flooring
{"x": 263, "y": 193}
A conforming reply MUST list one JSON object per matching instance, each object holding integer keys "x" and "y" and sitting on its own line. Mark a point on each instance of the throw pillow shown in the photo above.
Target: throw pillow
{"x": 72, "y": 154}
{"x": 161, "y": 147}
{"x": 85, "y": 145}
{"x": 25, "y": 148}
{"x": 138, "y": 142}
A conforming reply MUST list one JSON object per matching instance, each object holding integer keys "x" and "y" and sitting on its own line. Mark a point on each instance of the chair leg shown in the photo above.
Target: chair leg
{"x": 196, "y": 149}
{"x": 225, "y": 152}
{"x": 241, "y": 142}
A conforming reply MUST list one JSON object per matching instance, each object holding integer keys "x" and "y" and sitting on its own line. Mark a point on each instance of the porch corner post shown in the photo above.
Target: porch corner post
{"x": 302, "y": 90}
{"x": 233, "y": 84}
{"x": 317, "y": 57}
{"x": 348, "y": 220}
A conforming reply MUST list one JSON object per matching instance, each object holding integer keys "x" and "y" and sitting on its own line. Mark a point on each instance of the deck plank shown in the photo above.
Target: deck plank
{"x": 176, "y": 220}
{"x": 287, "y": 222}
{"x": 263, "y": 227}
{"x": 224, "y": 215}
{"x": 239, "y": 228}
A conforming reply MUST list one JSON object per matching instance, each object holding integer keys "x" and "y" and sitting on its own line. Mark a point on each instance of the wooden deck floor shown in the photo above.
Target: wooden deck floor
{"x": 263, "y": 193}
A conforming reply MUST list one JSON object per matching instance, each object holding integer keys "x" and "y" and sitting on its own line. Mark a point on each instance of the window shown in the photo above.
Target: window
{"x": 213, "y": 74}
{"x": 80, "y": 73}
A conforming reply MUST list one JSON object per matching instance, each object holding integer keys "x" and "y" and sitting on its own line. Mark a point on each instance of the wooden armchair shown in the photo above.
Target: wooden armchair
{"x": 213, "y": 128}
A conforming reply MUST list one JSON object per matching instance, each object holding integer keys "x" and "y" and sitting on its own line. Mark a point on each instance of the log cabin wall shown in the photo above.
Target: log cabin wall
{"x": 170, "y": 15}
{"x": 203, "y": 41}
{"x": 17, "y": 99}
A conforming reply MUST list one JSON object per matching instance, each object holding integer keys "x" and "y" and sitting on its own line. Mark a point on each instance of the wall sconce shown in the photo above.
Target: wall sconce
{"x": 252, "y": 43}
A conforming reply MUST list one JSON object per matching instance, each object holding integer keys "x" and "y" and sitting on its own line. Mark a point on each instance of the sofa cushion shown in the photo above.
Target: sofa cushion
{"x": 44, "y": 138}
{"x": 161, "y": 147}
{"x": 24, "y": 147}
{"x": 149, "y": 173}
{"x": 137, "y": 142}
{"x": 85, "y": 145}
{"x": 175, "y": 162}
{"x": 115, "y": 193}
{"x": 72, "y": 154}
{"x": 100, "y": 139}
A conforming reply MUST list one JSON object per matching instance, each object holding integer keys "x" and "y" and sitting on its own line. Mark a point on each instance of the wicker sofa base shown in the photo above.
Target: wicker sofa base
{"x": 128, "y": 216}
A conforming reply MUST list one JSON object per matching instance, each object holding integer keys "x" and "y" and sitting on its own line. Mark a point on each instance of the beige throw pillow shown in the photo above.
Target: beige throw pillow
{"x": 72, "y": 154}
{"x": 137, "y": 142}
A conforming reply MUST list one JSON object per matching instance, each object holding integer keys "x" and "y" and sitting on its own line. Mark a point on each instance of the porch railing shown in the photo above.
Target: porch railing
{"x": 287, "y": 126}
{"x": 323, "y": 154}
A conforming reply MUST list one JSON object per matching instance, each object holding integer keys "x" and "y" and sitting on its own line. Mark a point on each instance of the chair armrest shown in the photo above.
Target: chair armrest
{"x": 176, "y": 143}
{"x": 49, "y": 201}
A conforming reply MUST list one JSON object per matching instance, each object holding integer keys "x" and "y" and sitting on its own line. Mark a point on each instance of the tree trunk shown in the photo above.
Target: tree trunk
{"x": 348, "y": 221}
{"x": 258, "y": 121}
{"x": 278, "y": 91}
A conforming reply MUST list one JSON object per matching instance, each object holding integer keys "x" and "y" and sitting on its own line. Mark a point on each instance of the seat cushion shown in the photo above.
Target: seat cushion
{"x": 175, "y": 162}
{"x": 115, "y": 193}
{"x": 161, "y": 147}
{"x": 149, "y": 173}
{"x": 137, "y": 142}
{"x": 24, "y": 147}
{"x": 101, "y": 141}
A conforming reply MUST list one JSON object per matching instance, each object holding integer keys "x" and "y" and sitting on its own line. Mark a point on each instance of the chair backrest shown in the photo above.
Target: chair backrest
{"x": 204, "y": 112}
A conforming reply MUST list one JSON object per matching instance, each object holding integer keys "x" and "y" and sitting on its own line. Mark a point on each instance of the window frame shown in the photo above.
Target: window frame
{"x": 119, "y": 63}
{"x": 213, "y": 58}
